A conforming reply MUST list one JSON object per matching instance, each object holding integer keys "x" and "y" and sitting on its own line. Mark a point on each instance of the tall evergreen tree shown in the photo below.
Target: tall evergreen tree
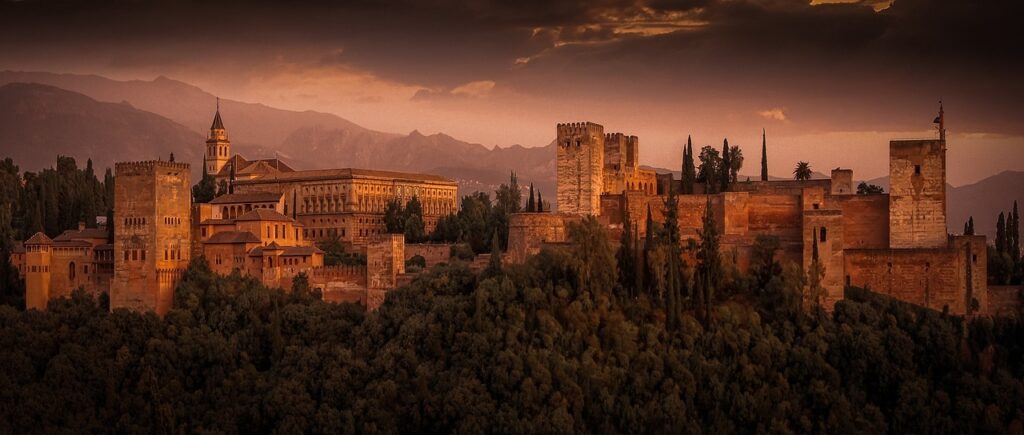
{"x": 204, "y": 191}
{"x": 689, "y": 172}
{"x": 724, "y": 170}
{"x": 709, "y": 267}
{"x": 625, "y": 257}
{"x": 494, "y": 265}
{"x": 970, "y": 223}
{"x": 1014, "y": 233}
{"x": 540, "y": 202}
{"x": 531, "y": 204}
{"x": 764, "y": 156}
{"x": 1001, "y": 234}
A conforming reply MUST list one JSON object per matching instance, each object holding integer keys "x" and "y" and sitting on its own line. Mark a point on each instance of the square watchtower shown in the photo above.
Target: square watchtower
{"x": 580, "y": 160}
{"x": 152, "y": 233}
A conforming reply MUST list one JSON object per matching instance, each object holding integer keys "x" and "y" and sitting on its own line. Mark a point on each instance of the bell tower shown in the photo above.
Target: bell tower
{"x": 218, "y": 147}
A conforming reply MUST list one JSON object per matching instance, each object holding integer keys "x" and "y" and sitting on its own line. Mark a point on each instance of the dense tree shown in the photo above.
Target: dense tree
{"x": 206, "y": 189}
{"x": 869, "y": 189}
{"x": 735, "y": 162}
{"x": 540, "y": 202}
{"x": 394, "y": 219}
{"x": 763, "y": 266}
{"x": 802, "y": 171}
{"x": 708, "y": 172}
{"x": 1001, "y": 233}
{"x": 412, "y": 221}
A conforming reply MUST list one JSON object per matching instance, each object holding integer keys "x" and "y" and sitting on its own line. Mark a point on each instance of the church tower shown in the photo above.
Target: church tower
{"x": 218, "y": 147}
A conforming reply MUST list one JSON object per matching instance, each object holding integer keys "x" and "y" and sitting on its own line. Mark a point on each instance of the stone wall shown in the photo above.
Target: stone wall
{"x": 865, "y": 220}
{"x": 580, "y": 166}
{"x": 826, "y": 228}
{"x": 917, "y": 194}
{"x": 528, "y": 232}
{"x": 950, "y": 277}
{"x": 385, "y": 260}
{"x": 433, "y": 253}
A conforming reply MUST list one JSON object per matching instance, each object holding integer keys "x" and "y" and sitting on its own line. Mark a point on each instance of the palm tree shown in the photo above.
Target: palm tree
{"x": 802, "y": 171}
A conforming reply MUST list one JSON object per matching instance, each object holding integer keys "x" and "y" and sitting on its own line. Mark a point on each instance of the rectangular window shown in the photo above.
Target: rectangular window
{"x": 917, "y": 169}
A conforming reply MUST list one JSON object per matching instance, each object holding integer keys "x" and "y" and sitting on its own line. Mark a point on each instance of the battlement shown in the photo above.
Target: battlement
{"x": 619, "y": 137}
{"x": 580, "y": 129}
{"x": 147, "y": 166}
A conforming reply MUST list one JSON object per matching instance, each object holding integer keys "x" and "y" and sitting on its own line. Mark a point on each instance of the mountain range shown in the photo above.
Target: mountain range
{"x": 311, "y": 140}
{"x": 86, "y": 116}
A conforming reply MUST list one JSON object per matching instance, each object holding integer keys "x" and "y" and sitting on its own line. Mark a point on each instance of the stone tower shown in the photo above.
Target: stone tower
{"x": 580, "y": 168}
{"x": 620, "y": 161}
{"x": 152, "y": 238}
{"x": 38, "y": 256}
{"x": 218, "y": 147}
{"x": 917, "y": 192}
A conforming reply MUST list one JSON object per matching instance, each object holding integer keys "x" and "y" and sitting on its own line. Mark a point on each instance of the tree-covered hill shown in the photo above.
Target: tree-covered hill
{"x": 552, "y": 346}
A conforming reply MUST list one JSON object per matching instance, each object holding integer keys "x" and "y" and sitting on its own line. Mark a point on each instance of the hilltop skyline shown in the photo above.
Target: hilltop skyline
{"x": 851, "y": 75}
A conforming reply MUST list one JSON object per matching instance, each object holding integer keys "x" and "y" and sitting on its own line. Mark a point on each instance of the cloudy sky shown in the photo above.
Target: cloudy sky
{"x": 830, "y": 80}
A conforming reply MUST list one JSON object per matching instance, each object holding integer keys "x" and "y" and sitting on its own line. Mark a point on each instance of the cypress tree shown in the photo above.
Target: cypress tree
{"x": 1001, "y": 234}
{"x": 540, "y": 202}
{"x": 967, "y": 228}
{"x": 638, "y": 263}
{"x": 1014, "y": 231}
{"x": 764, "y": 156}
{"x": 726, "y": 164}
{"x": 494, "y": 263}
{"x": 531, "y": 205}
{"x": 625, "y": 256}
{"x": 690, "y": 168}
{"x": 970, "y": 222}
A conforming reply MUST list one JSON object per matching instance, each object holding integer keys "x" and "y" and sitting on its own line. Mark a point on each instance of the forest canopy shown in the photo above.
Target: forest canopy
{"x": 548, "y": 346}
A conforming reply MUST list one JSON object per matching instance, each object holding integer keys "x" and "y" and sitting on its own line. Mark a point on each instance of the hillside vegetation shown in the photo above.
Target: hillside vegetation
{"x": 554, "y": 345}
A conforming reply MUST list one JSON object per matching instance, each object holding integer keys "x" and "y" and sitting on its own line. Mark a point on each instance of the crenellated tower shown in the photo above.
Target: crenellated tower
{"x": 580, "y": 171}
{"x": 152, "y": 233}
{"x": 218, "y": 147}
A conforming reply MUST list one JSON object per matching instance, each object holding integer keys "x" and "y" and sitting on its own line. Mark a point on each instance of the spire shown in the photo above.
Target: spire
{"x": 217, "y": 123}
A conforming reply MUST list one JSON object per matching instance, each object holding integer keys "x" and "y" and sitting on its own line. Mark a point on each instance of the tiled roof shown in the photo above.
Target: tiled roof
{"x": 227, "y": 237}
{"x": 88, "y": 233}
{"x": 235, "y": 198}
{"x": 39, "y": 239}
{"x": 72, "y": 244}
{"x": 217, "y": 222}
{"x": 285, "y": 250}
{"x": 243, "y": 166}
{"x": 263, "y": 214}
{"x": 325, "y": 174}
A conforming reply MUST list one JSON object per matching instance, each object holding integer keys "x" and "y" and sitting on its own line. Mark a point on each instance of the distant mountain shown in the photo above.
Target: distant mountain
{"x": 312, "y": 140}
{"x": 39, "y": 122}
{"x": 984, "y": 200}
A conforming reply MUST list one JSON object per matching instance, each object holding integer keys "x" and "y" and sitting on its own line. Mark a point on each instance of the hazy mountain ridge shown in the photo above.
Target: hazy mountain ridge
{"x": 310, "y": 139}
{"x": 39, "y": 122}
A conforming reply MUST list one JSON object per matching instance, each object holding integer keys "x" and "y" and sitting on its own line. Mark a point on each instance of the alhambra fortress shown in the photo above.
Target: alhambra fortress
{"x": 896, "y": 244}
